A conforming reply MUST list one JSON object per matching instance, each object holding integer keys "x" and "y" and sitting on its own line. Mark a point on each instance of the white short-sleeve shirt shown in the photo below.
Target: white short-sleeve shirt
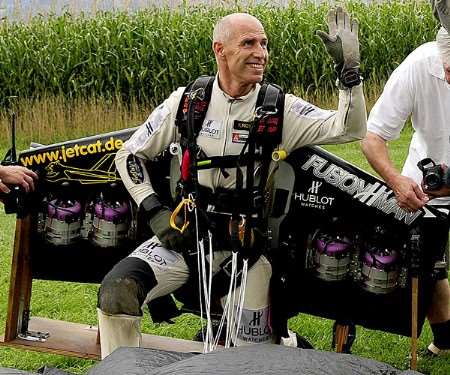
{"x": 417, "y": 88}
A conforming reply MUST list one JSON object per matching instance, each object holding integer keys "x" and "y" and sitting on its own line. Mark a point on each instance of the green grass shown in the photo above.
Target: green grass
{"x": 76, "y": 302}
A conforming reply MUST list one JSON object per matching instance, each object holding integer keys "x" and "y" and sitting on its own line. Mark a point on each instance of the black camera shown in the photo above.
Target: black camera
{"x": 433, "y": 174}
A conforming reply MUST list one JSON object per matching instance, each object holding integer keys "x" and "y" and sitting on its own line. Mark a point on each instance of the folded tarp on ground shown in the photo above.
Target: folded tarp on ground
{"x": 254, "y": 359}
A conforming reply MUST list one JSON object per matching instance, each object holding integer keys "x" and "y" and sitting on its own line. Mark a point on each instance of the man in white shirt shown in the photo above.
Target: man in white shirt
{"x": 420, "y": 88}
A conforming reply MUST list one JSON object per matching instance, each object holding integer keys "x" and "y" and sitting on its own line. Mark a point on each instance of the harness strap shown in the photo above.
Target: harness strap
{"x": 202, "y": 86}
{"x": 226, "y": 161}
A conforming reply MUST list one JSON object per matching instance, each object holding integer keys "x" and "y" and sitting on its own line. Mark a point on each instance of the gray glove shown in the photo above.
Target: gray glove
{"x": 342, "y": 44}
{"x": 441, "y": 10}
{"x": 171, "y": 238}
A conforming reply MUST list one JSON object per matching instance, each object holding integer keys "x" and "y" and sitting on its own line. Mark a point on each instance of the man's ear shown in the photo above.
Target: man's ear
{"x": 218, "y": 49}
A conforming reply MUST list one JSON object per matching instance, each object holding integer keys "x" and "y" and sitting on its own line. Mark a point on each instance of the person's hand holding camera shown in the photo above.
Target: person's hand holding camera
{"x": 409, "y": 195}
{"x": 15, "y": 175}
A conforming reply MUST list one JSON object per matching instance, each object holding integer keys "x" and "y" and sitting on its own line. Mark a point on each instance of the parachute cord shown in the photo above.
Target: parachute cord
{"x": 209, "y": 340}
{"x": 210, "y": 238}
{"x": 205, "y": 286}
{"x": 226, "y": 310}
{"x": 199, "y": 279}
{"x": 241, "y": 299}
{"x": 230, "y": 300}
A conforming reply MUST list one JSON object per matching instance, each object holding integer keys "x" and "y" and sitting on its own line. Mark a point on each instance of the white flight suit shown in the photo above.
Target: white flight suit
{"x": 303, "y": 124}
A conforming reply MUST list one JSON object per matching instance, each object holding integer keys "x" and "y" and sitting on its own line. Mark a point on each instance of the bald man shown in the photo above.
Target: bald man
{"x": 163, "y": 264}
{"x": 419, "y": 88}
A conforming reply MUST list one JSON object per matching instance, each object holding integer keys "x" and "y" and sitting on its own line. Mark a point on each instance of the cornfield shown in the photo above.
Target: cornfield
{"x": 142, "y": 56}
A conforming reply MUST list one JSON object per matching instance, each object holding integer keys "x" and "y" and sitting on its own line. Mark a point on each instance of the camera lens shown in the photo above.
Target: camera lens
{"x": 433, "y": 181}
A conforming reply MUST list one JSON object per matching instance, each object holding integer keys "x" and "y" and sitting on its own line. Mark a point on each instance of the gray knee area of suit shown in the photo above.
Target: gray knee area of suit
{"x": 119, "y": 296}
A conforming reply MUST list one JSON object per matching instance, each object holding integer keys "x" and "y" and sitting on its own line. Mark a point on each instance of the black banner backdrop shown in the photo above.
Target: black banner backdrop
{"x": 314, "y": 193}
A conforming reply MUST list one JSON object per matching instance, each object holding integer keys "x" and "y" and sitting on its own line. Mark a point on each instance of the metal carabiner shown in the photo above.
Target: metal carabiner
{"x": 197, "y": 94}
{"x": 261, "y": 113}
{"x": 175, "y": 150}
{"x": 186, "y": 205}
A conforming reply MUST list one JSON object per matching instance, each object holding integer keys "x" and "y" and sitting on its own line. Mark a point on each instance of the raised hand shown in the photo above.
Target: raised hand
{"x": 342, "y": 43}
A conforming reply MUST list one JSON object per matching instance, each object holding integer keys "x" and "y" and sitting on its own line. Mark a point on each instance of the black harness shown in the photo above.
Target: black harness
{"x": 244, "y": 201}
{"x": 264, "y": 135}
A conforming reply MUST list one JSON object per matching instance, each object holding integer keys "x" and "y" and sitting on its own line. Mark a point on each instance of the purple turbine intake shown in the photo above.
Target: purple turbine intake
{"x": 62, "y": 226}
{"x": 111, "y": 223}
{"x": 62, "y": 211}
{"x": 380, "y": 260}
{"x": 380, "y": 271}
{"x": 109, "y": 212}
{"x": 332, "y": 247}
{"x": 332, "y": 257}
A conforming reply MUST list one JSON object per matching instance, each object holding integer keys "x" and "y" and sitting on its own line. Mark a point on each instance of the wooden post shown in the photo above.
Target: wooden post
{"x": 20, "y": 280}
{"x": 341, "y": 335}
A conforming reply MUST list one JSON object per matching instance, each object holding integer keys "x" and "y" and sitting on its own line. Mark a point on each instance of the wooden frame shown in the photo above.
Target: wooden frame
{"x": 65, "y": 338}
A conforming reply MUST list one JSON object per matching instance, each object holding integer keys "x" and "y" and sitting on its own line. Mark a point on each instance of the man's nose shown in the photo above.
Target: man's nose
{"x": 260, "y": 51}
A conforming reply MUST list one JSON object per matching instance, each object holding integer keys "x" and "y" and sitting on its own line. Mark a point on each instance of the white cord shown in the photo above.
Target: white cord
{"x": 209, "y": 340}
{"x": 199, "y": 279}
{"x": 240, "y": 306}
{"x": 232, "y": 311}
{"x": 230, "y": 300}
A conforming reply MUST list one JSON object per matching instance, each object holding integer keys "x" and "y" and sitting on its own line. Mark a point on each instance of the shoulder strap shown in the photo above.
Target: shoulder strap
{"x": 202, "y": 87}
{"x": 270, "y": 100}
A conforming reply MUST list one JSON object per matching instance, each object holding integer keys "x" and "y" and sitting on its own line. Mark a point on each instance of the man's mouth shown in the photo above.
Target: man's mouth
{"x": 256, "y": 66}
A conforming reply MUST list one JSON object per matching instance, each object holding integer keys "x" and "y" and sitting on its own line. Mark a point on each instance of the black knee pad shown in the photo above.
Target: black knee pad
{"x": 124, "y": 288}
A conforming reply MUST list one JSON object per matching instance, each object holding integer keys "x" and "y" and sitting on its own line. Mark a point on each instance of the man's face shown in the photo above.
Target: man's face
{"x": 447, "y": 72}
{"x": 246, "y": 53}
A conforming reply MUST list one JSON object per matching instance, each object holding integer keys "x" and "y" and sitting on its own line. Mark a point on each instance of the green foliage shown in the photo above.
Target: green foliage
{"x": 146, "y": 54}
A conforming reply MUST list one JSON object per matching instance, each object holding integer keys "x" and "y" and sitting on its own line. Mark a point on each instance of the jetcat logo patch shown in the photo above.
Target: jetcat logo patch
{"x": 211, "y": 129}
{"x": 135, "y": 170}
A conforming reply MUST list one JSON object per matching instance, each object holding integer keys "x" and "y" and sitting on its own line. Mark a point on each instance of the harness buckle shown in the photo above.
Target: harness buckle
{"x": 198, "y": 94}
{"x": 263, "y": 112}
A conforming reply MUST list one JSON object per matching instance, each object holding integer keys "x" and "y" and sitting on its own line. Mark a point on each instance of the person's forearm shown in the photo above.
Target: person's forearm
{"x": 352, "y": 109}
{"x": 376, "y": 152}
